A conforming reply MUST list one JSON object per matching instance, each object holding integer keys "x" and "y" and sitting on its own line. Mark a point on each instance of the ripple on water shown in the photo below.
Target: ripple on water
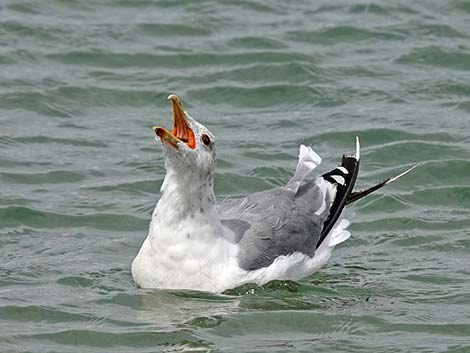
{"x": 440, "y": 196}
{"x": 132, "y": 188}
{"x": 102, "y": 339}
{"x": 416, "y": 29}
{"x": 397, "y": 224}
{"x": 437, "y": 56}
{"x": 171, "y": 29}
{"x": 287, "y": 73}
{"x": 19, "y": 216}
{"x": 380, "y": 136}
{"x": 41, "y": 314}
{"x": 57, "y": 176}
{"x": 48, "y": 140}
{"x": 190, "y": 61}
{"x": 258, "y": 43}
{"x": 33, "y": 101}
{"x": 340, "y": 34}
{"x": 418, "y": 152}
{"x": 267, "y": 96}
{"x": 35, "y": 32}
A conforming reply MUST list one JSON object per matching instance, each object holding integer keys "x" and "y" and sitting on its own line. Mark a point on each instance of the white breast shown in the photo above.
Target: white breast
{"x": 193, "y": 257}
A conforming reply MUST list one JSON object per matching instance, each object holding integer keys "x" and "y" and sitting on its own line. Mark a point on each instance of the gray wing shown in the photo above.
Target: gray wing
{"x": 276, "y": 222}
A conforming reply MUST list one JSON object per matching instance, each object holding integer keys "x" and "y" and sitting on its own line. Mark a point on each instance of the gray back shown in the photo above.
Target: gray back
{"x": 276, "y": 222}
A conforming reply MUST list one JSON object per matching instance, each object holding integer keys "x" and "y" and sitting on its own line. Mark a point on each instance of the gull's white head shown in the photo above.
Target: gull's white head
{"x": 189, "y": 149}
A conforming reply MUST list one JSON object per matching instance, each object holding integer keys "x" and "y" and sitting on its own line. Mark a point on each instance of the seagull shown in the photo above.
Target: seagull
{"x": 286, "y": 233}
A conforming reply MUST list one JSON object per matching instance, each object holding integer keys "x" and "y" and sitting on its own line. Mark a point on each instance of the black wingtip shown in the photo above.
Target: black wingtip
{"x": 357, "y": 195}
{"x": 344, "y": 177}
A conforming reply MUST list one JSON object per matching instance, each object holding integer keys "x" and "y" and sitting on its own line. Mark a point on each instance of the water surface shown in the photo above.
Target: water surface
{"x": 81, "y": 83}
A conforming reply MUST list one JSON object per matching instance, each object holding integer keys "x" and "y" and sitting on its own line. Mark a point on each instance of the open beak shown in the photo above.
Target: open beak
{"x": 181, "y": 130}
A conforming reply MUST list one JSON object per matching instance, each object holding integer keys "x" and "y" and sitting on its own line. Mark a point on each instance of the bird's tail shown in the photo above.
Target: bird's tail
{"x": 344, "y": 179}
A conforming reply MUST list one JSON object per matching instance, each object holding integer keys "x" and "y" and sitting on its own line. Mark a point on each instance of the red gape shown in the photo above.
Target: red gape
{"x": 184, "y": 133}
{"x": 181, "y": 129}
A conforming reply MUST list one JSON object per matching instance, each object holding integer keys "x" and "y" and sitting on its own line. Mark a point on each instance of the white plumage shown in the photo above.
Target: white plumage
{"x": 196, "y": 253}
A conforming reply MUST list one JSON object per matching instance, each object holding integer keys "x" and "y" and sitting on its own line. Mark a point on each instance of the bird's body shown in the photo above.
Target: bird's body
{"x": 261, "y": 237}
{"x": 284, "y": 233}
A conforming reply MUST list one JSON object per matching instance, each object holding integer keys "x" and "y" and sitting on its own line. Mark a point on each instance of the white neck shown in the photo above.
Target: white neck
{"x": 185, "y": 196}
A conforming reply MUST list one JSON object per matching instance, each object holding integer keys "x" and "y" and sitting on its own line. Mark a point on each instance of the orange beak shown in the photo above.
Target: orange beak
{"x": 181, "y": 129}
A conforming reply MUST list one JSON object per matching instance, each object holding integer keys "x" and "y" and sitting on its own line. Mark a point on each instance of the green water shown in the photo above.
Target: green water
{"x": 82, "y": 82}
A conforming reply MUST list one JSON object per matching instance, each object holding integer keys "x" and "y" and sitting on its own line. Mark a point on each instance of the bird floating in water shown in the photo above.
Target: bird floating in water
{"x": 286, "y": 233}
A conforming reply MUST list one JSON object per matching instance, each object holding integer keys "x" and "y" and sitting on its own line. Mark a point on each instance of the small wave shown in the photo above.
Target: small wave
{"x": 437, "y": 56}
{"x": 40, "y": 139}
{"x": 436, "y": 173}
{"x": 380, "y": 136}
{"x": 339, "y": 34}
{"x": 266, "y": 96}
{"x": 457, "y": 196}
{"x": 416, "y": 151}
{"x": 25, "y": 216}
{"x": 40, "y": 313}
{"x": 37, "y": 32}
{"x": 102, "y": 338}
{"x": 8, "y": 141}
{"x": 57, "y": 176}
{"x": 294, "y": 73}
{"x": 420, "y": 30}
{"x": 100, "y": 58}
{"x": 258, "y": 43}
{"x": 134, "y": 187}
{"x": 405, "y": 223}
{"x": 50, "y": 102}
{"x": 171, "y": 29}
{"x": 37, "y": 102}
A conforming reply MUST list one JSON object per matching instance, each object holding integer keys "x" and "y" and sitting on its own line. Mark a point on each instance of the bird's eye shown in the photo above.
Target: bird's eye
{"x": 206, "y": 140}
